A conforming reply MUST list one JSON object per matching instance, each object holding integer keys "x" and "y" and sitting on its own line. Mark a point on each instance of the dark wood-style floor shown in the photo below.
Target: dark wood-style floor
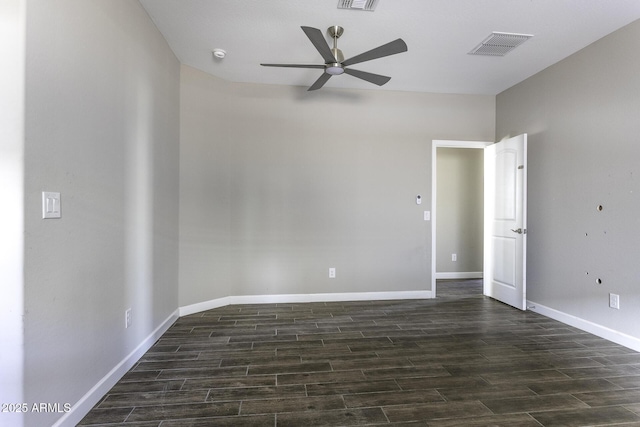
{"x": 458, "y": 360}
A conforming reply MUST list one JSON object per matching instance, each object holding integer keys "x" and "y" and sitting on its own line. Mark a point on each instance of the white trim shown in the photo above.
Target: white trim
{"x": 82, "y": 407}
{"x": 204, "y": 306}
{"x": 435, "y": 144}
{"x": 481, "y": 145}
{"x": 587, "y": 326}
{"x": 290, "y": 298}
{"x": 453, "y": 275}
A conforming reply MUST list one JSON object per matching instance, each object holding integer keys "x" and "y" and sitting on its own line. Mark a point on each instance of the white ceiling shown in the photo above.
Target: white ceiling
{"x": 439, "y": 34}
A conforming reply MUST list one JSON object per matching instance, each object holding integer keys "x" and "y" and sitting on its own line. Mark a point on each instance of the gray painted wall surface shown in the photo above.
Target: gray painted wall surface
{"x": 584, "y": 150}
{"x": 102, "y": 128}
{"x": 459, "y": 193}
{"x": 278, "y": 184}
{"x": 12, "y": 85}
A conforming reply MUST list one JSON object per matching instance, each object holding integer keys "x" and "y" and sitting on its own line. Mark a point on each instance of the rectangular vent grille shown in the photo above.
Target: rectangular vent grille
{"x": 499, "y": 44}
{"x": 369, "y": 5}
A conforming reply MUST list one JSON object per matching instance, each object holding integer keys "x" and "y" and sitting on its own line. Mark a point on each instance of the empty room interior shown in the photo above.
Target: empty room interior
{"x": 217, "y": 213}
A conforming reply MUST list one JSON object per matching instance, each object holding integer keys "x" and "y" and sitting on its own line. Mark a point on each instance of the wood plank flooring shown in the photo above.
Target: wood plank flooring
{"x": 458, "y": 360}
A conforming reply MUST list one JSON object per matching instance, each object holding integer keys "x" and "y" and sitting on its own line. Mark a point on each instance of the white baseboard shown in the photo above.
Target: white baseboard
{"x": 290, "y": 298}
{"x": 454, "y": 275}
{"x": 81, "y": 408}
{"x": 601, "y": 331}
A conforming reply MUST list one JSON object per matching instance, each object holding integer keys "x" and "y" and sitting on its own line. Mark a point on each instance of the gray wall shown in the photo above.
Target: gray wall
{"x": 278, "y": 184}
{"x": 102, "y": 128}
{"x": 12, "y": 80}
{"x": 459, "y": 201}
{"x": 582, "y": 119}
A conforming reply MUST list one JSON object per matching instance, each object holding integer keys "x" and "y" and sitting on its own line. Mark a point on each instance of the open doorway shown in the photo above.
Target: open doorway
{"x": 457, "y": 212}
{"x": 459, "y": 288}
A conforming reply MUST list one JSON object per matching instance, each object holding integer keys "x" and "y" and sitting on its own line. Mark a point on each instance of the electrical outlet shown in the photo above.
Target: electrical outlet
{"x": 127, "y": 318}
{"x": 614, "y": 301}
{"x": 454, "y": 257}
{"x": 332, "y": 273}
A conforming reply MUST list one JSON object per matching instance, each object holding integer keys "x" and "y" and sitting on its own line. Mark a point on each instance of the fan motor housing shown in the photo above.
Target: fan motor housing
{"x": 337, "y": 53}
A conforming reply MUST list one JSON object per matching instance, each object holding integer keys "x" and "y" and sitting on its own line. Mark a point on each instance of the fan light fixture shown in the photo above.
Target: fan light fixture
{"x": 334, "y": 69}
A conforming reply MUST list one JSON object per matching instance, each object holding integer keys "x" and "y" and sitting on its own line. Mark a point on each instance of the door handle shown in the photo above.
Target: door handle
{"x": 519, "y": 230}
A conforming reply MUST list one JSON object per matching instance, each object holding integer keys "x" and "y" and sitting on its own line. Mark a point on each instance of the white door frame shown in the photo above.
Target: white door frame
{"x": 435, "y": 144}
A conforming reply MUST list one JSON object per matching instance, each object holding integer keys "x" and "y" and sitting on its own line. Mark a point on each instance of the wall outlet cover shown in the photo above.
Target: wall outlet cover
{"x": 614, "y": 301}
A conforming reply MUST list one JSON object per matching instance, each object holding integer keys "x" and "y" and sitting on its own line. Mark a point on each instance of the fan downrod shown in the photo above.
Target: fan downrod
{"x": 335, "y": 32}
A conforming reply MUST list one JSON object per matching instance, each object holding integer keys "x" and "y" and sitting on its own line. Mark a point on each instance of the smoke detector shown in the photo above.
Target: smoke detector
{"x": 499, "y": 44}
{"x": 369, "y": 5}
{"x": 219, "y": 53}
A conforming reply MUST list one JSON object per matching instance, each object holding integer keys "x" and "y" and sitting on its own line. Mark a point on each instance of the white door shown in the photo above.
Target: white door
{"x": 505, "y": 221}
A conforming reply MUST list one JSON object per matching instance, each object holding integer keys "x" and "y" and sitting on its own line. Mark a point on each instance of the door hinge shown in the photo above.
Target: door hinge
{"x": 521, "y": 167}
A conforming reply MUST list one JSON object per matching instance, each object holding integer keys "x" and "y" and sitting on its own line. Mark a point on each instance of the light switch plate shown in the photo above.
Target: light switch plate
{"x": 51, "y": 205}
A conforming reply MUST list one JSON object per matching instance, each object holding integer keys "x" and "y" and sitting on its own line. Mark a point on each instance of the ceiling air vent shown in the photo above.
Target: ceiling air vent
{"x": 499, "y": 44}
{"x": 358, "y": 4}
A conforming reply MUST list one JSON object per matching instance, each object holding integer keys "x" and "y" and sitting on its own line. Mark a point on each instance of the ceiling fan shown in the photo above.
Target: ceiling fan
{"x": 334, "y": 62}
